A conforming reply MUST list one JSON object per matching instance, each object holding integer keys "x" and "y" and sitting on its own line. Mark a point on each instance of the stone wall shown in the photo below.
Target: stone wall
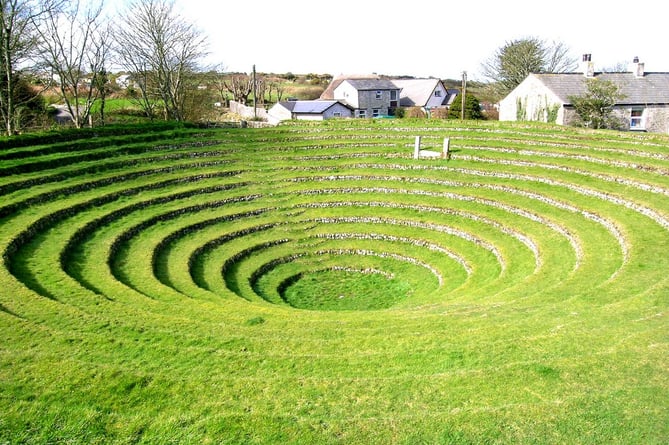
{"x": 248, "y": 112}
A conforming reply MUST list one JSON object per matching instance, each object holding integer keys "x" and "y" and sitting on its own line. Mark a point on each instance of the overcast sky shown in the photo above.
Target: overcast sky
{"x": 421, "y": 38}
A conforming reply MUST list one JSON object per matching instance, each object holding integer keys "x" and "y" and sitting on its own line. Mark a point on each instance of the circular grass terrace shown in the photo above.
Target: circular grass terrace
{"x": 316, "y": 284}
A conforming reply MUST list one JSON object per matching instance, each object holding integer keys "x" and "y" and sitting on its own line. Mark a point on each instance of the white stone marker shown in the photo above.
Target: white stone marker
{"x": 416, "y": 148}
{"x": 447, "y": 143}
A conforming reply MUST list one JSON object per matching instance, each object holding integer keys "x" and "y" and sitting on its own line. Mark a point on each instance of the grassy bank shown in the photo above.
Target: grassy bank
{"x": 316, "y": 284}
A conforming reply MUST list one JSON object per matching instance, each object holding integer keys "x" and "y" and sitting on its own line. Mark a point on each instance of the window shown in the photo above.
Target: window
{"x": 378, "y": 94}
{"x": 437, "y": 93}
{"x": 636, "y": 120}
{"x": 362, "y": 113}
{"x": 393, "y": 98}
{"x": 376, "y": 112}
{"x": 336, "y": 114}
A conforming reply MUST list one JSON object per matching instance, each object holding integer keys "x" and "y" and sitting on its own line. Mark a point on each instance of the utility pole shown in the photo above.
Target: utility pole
{"x": 255, "y": 93}
{"x": 464, "y": 94}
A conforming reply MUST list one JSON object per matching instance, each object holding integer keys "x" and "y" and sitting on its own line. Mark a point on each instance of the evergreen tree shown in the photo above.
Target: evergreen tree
{"x": 512, "y": 63}
{"x": 472, "y": 108}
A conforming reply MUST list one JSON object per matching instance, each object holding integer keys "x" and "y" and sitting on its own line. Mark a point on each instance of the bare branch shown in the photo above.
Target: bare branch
{"x": 161, "y": 50}
{"x": 240, "y": 86}
{"x": 18, "y": 41}
{"x": 70, "y": 45}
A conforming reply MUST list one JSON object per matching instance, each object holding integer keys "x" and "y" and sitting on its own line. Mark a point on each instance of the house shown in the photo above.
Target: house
{"x": 123, "y": 80}
{"x": 328, "y": 93}
{"x": 545, "y": 97}
{"x": 365, "y": 96}
{"x": 369, "y": 97}
{"x": 427, "y": 94}
{"x": 308, "y": 110}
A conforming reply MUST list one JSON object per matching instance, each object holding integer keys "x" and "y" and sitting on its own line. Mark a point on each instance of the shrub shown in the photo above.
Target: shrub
{"x": 472, "y": 108}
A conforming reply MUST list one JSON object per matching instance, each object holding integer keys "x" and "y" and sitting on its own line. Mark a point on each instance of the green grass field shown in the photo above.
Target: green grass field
{"x": 315, "y": 284}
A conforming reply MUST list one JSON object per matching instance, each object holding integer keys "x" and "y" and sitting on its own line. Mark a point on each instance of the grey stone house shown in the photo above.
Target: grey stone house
{"x": 427, "y": 94}
{"x": 545, "y": 97}
{"x": 369, "y": 97}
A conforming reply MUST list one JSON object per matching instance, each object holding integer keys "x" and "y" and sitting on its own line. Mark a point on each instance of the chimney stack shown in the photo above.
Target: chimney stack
{"x": 587, "y": 66}
{"x": 637, "y": 68}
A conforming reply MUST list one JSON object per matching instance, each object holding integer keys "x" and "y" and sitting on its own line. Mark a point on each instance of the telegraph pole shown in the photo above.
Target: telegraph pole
{"x": 464, "y": 94}
{"x": 255, "y": 93}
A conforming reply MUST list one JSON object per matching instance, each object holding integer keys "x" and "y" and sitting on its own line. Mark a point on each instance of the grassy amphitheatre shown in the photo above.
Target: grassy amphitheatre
{"x": 316, "y": 284}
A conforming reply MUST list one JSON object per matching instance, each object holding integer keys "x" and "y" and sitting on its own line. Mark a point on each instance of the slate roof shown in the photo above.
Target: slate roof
{"x": 328, "y": 94}
{"x": 416, "y": 92}
{"x": 452, "y": 93}
{"x": 651, "y": 89}
{"x": 310, "y": 106}
{"x": 372, "y": 84}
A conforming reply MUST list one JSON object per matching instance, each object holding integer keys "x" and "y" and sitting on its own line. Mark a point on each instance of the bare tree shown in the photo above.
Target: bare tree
{"x": 270, "y": 89}
{"x": 260, "y": 90}
{"x": 161, "y": 50}
{"x": 17, "y": 43}
{"x": 240, "y": 86}
{"x": 144, "y": 78}
{"x": 618, "y": 67}
{"x": 100, "y": 82}
{"x": 279, "y": 91}
{"x": 557, "y": 58}
{"x": 217, "y": 83}
{"x": 276, "y": 89}
{"x": 73, "y": 49}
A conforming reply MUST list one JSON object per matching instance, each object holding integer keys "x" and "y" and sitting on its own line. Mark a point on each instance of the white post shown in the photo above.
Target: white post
{"x": 447, "y": 143}
{"x": 416, "y": 148}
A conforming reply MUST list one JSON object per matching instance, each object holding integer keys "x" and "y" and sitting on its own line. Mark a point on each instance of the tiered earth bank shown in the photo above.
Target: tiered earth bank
{"x": 327, "y": 259}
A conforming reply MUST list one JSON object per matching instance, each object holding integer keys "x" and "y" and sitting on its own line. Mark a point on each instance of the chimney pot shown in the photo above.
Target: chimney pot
{"x": 637, "y": 68}
{"x": 587, "y": 66}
